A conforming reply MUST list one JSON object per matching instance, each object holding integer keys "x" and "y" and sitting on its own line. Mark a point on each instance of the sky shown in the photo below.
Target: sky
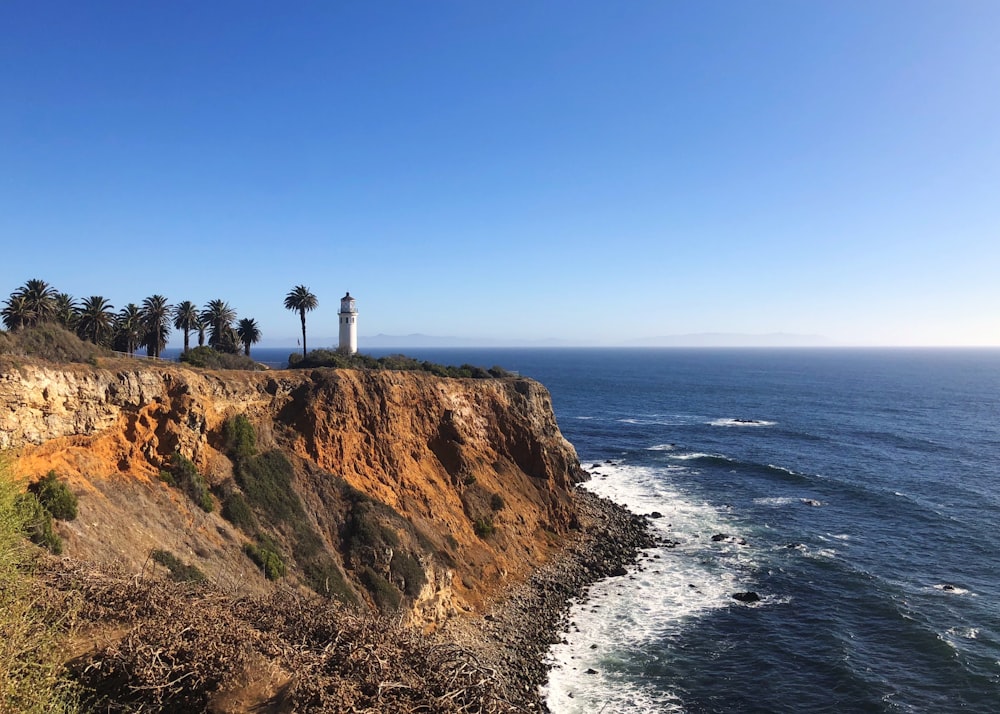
{"x": 588, "y": 171}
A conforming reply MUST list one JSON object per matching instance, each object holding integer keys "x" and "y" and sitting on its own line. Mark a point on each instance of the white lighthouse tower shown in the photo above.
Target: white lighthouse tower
{"x": 348, "y": 325}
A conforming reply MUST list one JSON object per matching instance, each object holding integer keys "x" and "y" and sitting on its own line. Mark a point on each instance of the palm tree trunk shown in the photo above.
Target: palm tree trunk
{"x": 186, "y": 334}
{"x": 302, "y": 314}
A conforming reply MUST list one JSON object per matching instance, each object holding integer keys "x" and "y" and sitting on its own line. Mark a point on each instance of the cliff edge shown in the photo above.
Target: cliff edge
{"x": 468, "y": 479}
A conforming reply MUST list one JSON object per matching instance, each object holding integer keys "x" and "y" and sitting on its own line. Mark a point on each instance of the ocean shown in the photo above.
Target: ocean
{"x": 856, "y": 492}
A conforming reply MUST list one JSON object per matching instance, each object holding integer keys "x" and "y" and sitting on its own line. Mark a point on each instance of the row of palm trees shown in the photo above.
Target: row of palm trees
{"x": 146, "y": 325}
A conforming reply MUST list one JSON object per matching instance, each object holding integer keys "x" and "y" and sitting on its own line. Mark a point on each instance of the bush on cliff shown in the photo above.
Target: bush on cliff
{"x": 37, "y": 523}
{"x": 268, "y": 558}
{"x": 50, "y": 342}
{"x": 179, "y": 571}
{"x": 186, "y": 476}
{"x": 55, "y": 496}
{"x": 209, "y": 358}
{"x": 32, "y": 627}
{"x": 339, "y": 360}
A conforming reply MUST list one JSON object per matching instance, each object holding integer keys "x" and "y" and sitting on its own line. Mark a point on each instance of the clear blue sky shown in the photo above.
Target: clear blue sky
{"x": 585, "y": 170}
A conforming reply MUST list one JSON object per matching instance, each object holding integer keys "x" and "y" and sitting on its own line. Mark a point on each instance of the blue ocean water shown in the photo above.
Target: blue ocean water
{"x": 866, "y": 488}
{"x": 856, "y": 491}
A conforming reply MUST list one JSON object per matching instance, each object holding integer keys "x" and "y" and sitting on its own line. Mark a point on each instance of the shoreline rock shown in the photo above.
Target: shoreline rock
{"x": 516, "y": 632}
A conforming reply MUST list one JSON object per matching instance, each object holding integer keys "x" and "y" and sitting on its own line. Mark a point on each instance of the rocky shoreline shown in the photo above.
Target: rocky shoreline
{"x": 515, "y": 634}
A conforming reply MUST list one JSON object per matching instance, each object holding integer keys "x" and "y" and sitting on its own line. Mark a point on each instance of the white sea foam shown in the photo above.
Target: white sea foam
{"x": 776, "y": 501}
{"x": 662, "y": 447}
{"x": 950, "y": 589}
{"x": 658, "y": 598}
{"x": 698, "y": 455}
{"x": 740, "y": 422}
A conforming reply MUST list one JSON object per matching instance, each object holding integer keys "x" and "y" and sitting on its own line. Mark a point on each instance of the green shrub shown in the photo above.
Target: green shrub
{"x": 268, "y": 559}
{"x": 179, "y": 571}
{"x": 483, "y": 527}
{"x": 37, "y": 522}
{"x": 240, "y": 438}
{"x": 55, "y": 496}
{"x": 236, "y": 510}
{"x": 191, "y": 482}
{"x": 209, "y": 358}
{"x": 167, "y": 478}
{"x": 338, "y": 360}
{"x": 50, "y": 342}
{"x": 325, "y": 578}
{"x": 386, "y": 596}
{"x": 469, "y": 480}
{"x": 33, "y": 679}
{"x": 408, "y": 569}
{"x": 497, "y": 502}
{"x": 267, "y": 482}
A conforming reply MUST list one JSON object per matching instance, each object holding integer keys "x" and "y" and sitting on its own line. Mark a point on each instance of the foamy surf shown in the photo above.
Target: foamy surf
{"x": 613, "y": 630}
{"x": 740, "y": 422}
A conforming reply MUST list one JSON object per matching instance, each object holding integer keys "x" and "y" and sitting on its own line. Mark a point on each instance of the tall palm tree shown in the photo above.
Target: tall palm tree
{"x": 64, "y": 311}
{"x": 300, "y": 300}
{"x": 16, "y": 313}
{"x": 219, "y": 316}
{"x": 129, "y": 329}
{"x": 201, "y": 325}
{"x": 186, "y": 319}
{"x": 249, "y": 333}
{"x": 156, "y": 324}
{"x": 96, "y": 320}
{"x": 41, "y": 300}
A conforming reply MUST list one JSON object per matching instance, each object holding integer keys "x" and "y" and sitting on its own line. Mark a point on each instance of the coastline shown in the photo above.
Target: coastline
{"x": 513, "y": 637}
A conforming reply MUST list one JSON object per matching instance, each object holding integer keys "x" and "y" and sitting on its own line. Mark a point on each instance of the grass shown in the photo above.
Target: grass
{"x": 179, "y": 571}
{"x": 32, "y": 679}
{"x": 50, "y": 342}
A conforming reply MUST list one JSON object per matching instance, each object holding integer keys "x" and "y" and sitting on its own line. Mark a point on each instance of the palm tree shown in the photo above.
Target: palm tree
{"x": 219, "y": 316}
{"x": 128, "y": 329}
{"x": 41, "y": 300}
{"x": 186, "y": 318}
{"x": 249, "y": 333}
{"x": 64, "y": 310}
{"x": 16, "y": 313}
{"x": 302, "y": 301}
{"x": 156, "y": 324}
{"x": 96, "y": 320}
{"x": 201, "y": 326}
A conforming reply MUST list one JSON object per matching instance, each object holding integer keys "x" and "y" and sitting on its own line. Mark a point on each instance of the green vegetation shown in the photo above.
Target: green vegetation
{"x": 49, "y": 342}
{"x": 248, "y": 333}
{"x": 187, "y": 478}
{"x": 179, "y": 571}
{"x": 32, "y": 678}
{"x": 384, "y": 593}
{"x": 268, "y": 558}
{"x": 55, "y": 496}
{"x": 483, "y": 527}
{"x": 237, "y": 511}
{"x": 209, "y": 358}
{"x": 37, "y": 523}
{"x": 37, "y": 306}
{"x": 497, "y": 502}
{"x": 339, "y": 360}
{"x": 240, "y": 438}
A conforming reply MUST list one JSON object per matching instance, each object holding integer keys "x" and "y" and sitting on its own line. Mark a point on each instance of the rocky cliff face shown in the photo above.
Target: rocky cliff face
{"x": 454, "y": 458}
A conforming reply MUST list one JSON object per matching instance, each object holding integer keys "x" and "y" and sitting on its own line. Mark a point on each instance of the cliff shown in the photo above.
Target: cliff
{"x": 469, "y": 478}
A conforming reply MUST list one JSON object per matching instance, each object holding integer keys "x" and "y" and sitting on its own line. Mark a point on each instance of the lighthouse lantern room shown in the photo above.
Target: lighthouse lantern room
{"x": 348, "y": 325}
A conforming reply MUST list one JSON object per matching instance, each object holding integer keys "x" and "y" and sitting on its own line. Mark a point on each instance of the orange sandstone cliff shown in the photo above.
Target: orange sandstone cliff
{"x": 472, "y": 477}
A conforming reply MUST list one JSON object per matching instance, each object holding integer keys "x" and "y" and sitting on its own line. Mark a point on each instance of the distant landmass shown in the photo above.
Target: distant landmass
{"x": 729, "y": 339}
{"x": 382, "y": 341}
{"x": 706, "y": 339}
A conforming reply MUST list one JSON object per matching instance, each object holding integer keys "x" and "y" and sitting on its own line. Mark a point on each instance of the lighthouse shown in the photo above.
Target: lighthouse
{"x": 348, "y": 325}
